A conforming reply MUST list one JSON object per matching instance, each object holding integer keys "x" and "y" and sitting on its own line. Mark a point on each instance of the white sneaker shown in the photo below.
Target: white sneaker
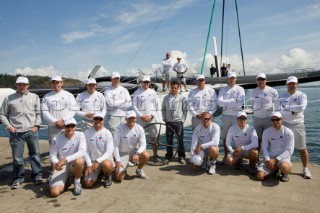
{"x": 77, "y": 189}
{"x": 307, "y": 173}
{"x": 141, "y": 174}
{"x": 130, "y": 164}
{"x": 212, "y": 169}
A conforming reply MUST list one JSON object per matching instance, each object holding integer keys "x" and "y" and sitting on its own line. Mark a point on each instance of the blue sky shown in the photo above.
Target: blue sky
{"x": 68, "y": 38}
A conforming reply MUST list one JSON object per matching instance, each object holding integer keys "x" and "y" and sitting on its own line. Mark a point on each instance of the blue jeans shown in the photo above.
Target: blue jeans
{"x": 178, "y": 128}
{"x": 17, "y": 141}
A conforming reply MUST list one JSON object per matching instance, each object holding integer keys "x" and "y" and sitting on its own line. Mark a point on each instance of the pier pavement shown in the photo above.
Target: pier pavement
{"x": 170, "y": 188}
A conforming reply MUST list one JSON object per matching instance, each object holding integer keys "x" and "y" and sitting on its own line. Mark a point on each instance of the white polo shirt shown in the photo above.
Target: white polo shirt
{"x": 145, "y": 102}
{"x": 99, "y": 145}
{"x": 245, "y": 138}
{"x": 231, "y": 99}
{"x": 118, "y": 100}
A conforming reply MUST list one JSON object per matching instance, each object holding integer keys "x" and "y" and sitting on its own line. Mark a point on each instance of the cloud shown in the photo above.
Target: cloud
{"x": 42, "y": 71}
{"x": 76, "y": 35}
{"x": 295, "y": 59}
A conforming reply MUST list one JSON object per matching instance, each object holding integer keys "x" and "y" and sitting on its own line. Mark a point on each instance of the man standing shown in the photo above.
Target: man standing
{"x": 181, "y": 69}
{"x": 292, "y": 105}
{"x": 99, "y": 152}
{"x": 242, "y": 142}
{"x": 167, "y": 67}
{"x": 263, "y": 98}
{"x": 130, "y": 144}
{"x": 57, "y": 105}
{"x": 20, "y": 114}
{"x": 89, "y": 102}
{"x": 277, "y": 148}
{"x": 224, "y": 70}
{"x": 231, "y": 99}
{"x": 201, "y": 99}
{"x": 174, "y": 113}
{"x": 145, "y": 104}
{"x": 204, "y": 147}
{"x": 118, "y": 102}
{"x": 67, "y": 156}
{"x": 213, "y": 70}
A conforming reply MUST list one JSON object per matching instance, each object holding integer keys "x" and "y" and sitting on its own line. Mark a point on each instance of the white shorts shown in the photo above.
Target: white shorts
{"x": 52, "y": 132}
{"x": 113, "y": 122}
{"x": 152, "y": 129}
{"x": 261, "y": 124}
{"x": 243, "y": 154}
{"x": 166, "y": 76}
{"x": 125, "y": 157}
{"x": 59, "y": 178}
{"x": 94, "y": 175}
{"x": 299, "y": 132}
{"x": 226, "y": 122}
{"x": 263, "y": 167}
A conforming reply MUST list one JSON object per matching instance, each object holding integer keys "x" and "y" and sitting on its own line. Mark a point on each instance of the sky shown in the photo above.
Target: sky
{"x": 68, "y": 38}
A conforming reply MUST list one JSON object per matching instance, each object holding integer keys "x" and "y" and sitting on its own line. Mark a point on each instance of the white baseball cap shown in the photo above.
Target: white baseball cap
{"x": 130, "y": 114}
{"x": 22, "y": 79}
{"x": 56, "y": 78}
{"x": 145, "y": 78}
{"x": 232, "y": 74}
{"x": 198, "y": 159}
{"x": 68, "y": 121}
{"x": 115, "y": 75}
{"x": 200, "y": 77}
{"x": 276, "y": 114}
{"x": 90, "y": 81}
{"x": 241, "y": 113}
{"x": 292, "y": 79}
{"x": 98, "y": 115}
{"x": 261, "y": 75}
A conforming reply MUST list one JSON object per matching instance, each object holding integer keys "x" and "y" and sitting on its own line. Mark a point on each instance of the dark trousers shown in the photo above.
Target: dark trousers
{"x": 178, "y": 128}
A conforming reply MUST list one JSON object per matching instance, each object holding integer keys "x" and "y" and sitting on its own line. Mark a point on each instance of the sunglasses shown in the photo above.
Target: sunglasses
{"x": 277, "y": 119}
{"x": 242, "y": 118}
{"x": 261, "y": 79}
{"x": 207, "y": 119}
{"x": 98, "y": 119}
{"x": 70, "y": 126}
{"x": 146, "y": 82}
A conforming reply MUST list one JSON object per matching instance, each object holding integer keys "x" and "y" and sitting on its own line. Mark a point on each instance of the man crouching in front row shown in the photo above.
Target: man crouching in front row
{"x": 66, "y": 154}
{"x": 205, "y": 141}
{"x": 130, "y": 144}
{"x": 277, "y": 148}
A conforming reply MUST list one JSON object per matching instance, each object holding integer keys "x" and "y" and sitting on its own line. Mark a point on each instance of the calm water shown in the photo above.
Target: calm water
{"x": 312, "y": 115}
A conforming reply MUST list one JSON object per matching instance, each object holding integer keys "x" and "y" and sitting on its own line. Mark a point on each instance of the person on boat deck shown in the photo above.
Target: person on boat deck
{"x": 20, "y": 114}
{"x": 118, "y": 101}
{"x": 223, "y": 70}
{"x": 130, "y": 144}
{"x": 57, "y": 105}
{"x": 263, "y": 98}
{"x": 174, "y": 113}
{"x": 277, "y": 148}
{"x": 229, "y": 69}
{"x": 67, "y": 157}
{"x": 89, "y": 102}
{"x": 204, "y": 145}
{"x": 242, "y": 142}
{"x": 99, "y": 152}
{"x": 213, "y": 70}
{"x": 167, "y": 64}
{"x": 231, "y": 98}
{"x": 292, "y": 105}
{"x": 201, "y": 99}
{"x": 145, "y": 104}
{"x": 181, "y": 69}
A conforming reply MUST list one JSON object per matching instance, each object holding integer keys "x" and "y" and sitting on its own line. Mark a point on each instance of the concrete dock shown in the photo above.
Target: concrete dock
{"x": 170, "y": 188}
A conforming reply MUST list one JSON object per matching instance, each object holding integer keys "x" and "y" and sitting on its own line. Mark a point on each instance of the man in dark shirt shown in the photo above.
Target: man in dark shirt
{"x": 213, "y": 70}
{"x": 223, "y": 70}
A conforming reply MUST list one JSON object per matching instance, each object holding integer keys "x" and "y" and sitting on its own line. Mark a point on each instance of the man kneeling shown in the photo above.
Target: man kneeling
{"x": 205, "y": 141}
{"x": 242, "y": 142}
{"x": 99, "y": 152}
{"x": 277, "y": 148}
{"x": 66, "y": 155}
{"x": 130, "y": 144}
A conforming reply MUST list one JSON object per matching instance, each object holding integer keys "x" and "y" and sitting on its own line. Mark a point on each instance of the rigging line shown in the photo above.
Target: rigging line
{"x": 222, "y": 28}
{"x": 244, "y": 71}
{"x": 205, "y": 51}
{"x": 149, "y": 36}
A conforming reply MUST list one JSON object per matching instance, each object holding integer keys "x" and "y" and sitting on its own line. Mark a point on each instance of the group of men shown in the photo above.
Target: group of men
{"x": 96, "y": 148}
